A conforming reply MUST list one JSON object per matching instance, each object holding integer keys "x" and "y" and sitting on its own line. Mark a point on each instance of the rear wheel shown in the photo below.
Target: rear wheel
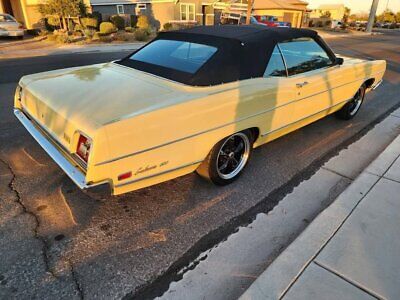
{"x": 227, "y": 159}
{"x": 351, "y": 108}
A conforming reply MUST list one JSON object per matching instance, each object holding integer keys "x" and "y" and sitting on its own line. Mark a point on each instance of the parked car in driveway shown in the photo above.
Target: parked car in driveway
{"x": 237, "y": 19}
{"x": 198, "y": 99}
{"x": 10, "y": 27}
{"x": 272, "y": 21}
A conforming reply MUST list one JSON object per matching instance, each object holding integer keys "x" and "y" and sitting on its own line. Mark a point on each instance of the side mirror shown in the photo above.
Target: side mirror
{"x": 339, "y": 61}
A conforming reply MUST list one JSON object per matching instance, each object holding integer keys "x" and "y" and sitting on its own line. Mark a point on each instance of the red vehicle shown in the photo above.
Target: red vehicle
{"x": 272, "y": 21}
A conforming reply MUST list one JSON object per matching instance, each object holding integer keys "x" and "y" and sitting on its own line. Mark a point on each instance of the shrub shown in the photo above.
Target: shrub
{"x": 89, "y": 32}
{"x": 134, "y": 20}
{"x": 118, "y": 21}
{"x": 52, "y": 37}
{"x": 105, "y": 38}
{"x": 107, "y": 28}
{"x": 53, "y": 21}
{"x": 62, "y": 39}
{"x": 89, "y": 23}
{"x": 96, "y": 36}
{"x": 143, "y": 22}
{"x": 168, "y": 26}
{"x": 96, "y": 15}
{"x": 141, "y": 34}
{"x": 122, "y": 36}
{"x": 129, "y": 29}
{"x": 320, "y": 24}
{"x": 78, "y": 27}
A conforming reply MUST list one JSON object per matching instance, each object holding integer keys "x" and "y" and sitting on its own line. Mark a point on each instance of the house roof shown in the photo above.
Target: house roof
{"x": 278, "y": 4}
{"x": 243, "y": 52}
{"x": 331, "y": 6}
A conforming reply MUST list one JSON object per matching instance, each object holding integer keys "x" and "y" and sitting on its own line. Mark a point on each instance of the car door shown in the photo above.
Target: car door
{"x": 314, "y": 79}
{"x": 279, "y": 96}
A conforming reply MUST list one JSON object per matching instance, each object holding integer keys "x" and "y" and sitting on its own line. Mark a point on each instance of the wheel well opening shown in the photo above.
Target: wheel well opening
{"x": 255, "y": 132}
{"x": 369, "y": 82}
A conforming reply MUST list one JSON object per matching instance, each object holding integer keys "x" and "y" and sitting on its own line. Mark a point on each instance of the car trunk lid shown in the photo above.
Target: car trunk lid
{"x": 85, "y": 98}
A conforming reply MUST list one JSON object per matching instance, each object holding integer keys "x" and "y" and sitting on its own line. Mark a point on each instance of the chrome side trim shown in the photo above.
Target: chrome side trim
{"x": 377, "y": 85}
{"x": 158, "y": 174}
{"x": 290, "y": 124}
{"x": 73, "y": 172}
{"x": 227, "y": 124}
{"x": 283, "y": 59}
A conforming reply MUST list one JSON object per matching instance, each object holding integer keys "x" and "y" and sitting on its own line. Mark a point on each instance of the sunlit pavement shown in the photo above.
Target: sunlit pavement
{"x": 348, "y": 251}
{"x": 56, "y": 241}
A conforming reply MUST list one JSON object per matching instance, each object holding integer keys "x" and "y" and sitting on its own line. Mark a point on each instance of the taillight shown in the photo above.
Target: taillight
{"x": 83, "y": 148}
{"x": 20, "y": 27}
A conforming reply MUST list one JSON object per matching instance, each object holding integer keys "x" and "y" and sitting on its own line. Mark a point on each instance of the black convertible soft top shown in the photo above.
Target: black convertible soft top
{"x": 243, "y": 52}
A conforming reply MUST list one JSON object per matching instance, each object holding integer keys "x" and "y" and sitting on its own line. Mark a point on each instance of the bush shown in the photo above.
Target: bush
{"x": 168, "y": 26}
{"x": 122, "y": 36}
{"x": 89, "y": 33}
{"x": 141, "y": 34}
{"x": 96, "y": 36}
{"x": 53, "y": 21}
{"x": 107, "y": 28}
{"x": 118, "y": 21}
{"x": 52, "y": 37}
{"x": 320, "y": 24}
{"x": 78, "y": 27}
{"x": 143, "y": 22}
{"x": 89, "y": 23}
{"x": 105, "y": 38}
{"x": 134, "y": 20}
{"x": 129, "y": 29}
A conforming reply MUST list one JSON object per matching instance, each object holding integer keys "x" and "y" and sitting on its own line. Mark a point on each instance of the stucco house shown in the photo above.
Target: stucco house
{"x": 199, "y": 12}
{"x": 334, "y": 11}
{"x": 292, "y": 11}
{"x": 26, "y": 11}
{"x": 202, "y": 12}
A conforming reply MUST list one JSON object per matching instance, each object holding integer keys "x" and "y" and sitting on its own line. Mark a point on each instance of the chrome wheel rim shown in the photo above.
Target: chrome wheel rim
{"x": 356, "y": 103}
{"x": 233, "y": 155}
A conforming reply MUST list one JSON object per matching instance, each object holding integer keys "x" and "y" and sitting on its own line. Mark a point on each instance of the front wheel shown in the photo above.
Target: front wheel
{"x": 227, "y": 159}
{"x": 349, "y": 111}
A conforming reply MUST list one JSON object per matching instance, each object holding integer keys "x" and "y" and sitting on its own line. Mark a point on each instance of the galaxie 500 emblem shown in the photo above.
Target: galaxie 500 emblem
{"x": 149, "y": 168}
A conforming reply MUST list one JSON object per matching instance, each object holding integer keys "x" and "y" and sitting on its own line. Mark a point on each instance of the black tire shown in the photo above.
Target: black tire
{"x": 239, "y": 146}
{"x": 351, "y": 108}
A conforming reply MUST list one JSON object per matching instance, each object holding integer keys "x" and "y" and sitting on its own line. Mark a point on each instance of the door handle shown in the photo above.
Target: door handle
{"x": 300, "y": 85}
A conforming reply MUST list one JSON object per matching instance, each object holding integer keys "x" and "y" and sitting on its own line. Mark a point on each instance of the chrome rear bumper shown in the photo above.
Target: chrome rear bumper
{"x": 72, "y": 171}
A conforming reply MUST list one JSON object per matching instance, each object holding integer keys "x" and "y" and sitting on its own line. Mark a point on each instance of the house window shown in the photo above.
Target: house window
{"x": 141, "y": 6}
{"x": 187, "y": 11}
{"x": 120, "y": 9}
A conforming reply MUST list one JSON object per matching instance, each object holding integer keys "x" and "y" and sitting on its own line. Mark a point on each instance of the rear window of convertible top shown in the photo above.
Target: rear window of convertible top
{"x": 177, "y": 55}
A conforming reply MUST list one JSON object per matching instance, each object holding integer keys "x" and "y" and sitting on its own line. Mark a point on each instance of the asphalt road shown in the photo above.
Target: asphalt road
{"x": 57, "y": 241}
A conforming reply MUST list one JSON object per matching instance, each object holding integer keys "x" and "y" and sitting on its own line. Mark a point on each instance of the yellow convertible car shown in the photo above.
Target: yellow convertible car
{"x": 198, "y": 99}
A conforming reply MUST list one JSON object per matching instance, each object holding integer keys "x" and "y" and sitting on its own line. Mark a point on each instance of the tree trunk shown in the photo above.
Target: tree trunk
{"x": 65, "y": 26}
{"x": 249, "y": 9}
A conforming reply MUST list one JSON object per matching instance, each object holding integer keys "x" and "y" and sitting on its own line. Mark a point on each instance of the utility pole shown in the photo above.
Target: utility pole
{"x": 249, "y": 9}
{"x": 372, "y": 14}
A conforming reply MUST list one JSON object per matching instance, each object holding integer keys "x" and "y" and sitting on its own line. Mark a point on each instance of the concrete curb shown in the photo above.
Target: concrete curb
{"x": 279, "y": 277}
{"x": 23, "y": 42}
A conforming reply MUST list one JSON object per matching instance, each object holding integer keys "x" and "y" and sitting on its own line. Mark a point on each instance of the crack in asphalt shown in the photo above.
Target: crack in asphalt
{"x": 78, "y": 286}
{"x": 45, "y": 246}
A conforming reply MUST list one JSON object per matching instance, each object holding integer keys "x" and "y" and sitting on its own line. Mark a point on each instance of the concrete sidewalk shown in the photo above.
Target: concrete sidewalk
{"x": 351, "y": 250}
